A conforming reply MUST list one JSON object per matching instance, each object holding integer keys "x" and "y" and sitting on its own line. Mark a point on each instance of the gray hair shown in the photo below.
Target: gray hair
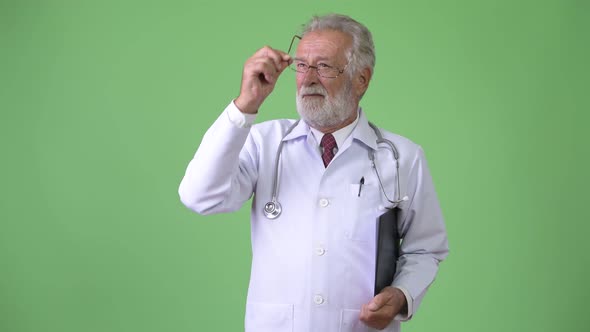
{"x": 362, "y": 53}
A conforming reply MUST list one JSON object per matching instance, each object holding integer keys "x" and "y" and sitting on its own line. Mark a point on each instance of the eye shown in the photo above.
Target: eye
{"x": 301, "y": 65}
{"x": 323, "y": 65}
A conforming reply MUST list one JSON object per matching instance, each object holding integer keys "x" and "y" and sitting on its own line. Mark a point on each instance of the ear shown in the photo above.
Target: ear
{"x": 361, "y": 81}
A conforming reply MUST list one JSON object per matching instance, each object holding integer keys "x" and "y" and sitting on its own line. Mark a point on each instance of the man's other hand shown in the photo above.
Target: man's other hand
{"x": 383, "y": 308}
{"x": 261, "y": 72}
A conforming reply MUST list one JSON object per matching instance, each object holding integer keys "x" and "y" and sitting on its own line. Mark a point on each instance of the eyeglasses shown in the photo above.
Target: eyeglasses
{"x": 324, "y": 70}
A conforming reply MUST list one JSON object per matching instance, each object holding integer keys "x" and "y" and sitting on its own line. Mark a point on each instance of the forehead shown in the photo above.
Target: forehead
{"x": 324, "y": 44}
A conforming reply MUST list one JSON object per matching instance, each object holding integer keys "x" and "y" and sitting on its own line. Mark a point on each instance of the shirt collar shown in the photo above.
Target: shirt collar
{"x": 340, "y": 135}
{"x": 359, "y": 130}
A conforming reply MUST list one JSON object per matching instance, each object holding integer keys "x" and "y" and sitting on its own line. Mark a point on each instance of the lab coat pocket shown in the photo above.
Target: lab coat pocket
{"x": 361, "y": 212}
{"x": 266, "y": 317}
{"x": 350, "y": 322}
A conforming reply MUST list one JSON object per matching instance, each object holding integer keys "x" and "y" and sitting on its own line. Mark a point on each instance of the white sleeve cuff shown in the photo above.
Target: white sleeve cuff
{"x": 238, "y": 118}
{"x": 408, "y": 314}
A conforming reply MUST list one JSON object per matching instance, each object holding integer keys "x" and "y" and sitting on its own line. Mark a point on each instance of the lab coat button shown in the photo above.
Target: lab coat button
{"x": 324, "y": 202}
{"x": 318, "y": 299}
{"x": 320, "y": 251}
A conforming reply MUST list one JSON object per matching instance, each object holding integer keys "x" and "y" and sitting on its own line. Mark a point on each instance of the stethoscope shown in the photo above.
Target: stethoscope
{"x": 273, "y": 209}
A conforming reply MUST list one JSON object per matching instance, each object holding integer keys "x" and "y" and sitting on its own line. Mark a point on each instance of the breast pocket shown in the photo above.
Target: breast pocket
{"x": 361, "y": 211}
{"x": 266, "y": 317}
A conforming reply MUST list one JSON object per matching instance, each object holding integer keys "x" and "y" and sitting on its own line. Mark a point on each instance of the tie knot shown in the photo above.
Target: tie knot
{"x": 328, "y": 144}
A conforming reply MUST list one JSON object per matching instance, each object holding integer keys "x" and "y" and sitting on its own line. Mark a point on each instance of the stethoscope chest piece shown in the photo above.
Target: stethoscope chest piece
{"x": 272, "y": 209}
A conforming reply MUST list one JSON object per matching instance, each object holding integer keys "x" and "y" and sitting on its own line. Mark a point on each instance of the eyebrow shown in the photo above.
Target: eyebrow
{"x": 318, "y": 59}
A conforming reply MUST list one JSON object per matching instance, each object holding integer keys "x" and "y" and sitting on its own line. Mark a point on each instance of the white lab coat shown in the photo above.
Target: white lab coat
{"x": 313, "y": 267}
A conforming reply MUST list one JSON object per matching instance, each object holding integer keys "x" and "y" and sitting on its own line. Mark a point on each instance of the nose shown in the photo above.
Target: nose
{"x": 311, "y": 77}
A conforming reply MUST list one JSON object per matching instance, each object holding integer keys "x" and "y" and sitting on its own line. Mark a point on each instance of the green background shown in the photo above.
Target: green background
{"x": 103, "y": 104}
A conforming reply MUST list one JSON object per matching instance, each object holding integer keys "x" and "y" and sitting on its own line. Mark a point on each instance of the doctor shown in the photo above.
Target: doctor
{"x": 313, "y": 265}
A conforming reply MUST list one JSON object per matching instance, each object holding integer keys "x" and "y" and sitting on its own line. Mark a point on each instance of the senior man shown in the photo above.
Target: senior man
{"x": 313, "y": 254}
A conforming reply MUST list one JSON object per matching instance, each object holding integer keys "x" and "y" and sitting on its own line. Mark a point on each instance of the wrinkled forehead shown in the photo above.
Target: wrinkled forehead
{"x": 324, "y": 44}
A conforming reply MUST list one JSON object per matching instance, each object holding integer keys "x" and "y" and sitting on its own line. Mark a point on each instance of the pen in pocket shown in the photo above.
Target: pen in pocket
{"x": 361, "y": 183}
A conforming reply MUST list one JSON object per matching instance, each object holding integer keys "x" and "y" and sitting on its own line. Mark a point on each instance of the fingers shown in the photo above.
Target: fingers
{"x": 279, "y": 58}
{"x": 379, "y": 312}
{"x": 375, "y": 304}
{"x": 261, "y": 72}
{"x": 262, "y": 68}
{"x": 287, "y": 58}
{"x": 379, "y": 301}
{"x": 267, "y": 63}
{"x": 378, "y": 319}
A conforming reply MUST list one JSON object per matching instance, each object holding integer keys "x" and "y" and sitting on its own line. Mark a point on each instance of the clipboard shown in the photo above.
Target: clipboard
{"x": 388, "y": 249}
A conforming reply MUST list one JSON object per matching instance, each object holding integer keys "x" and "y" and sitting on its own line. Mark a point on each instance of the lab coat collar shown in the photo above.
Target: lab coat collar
{"x": 362, "y": 132}
{"x": 302, "y": 129}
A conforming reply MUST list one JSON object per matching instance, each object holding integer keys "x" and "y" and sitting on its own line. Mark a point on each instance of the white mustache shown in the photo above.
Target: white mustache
{"x": 312, "y": 90}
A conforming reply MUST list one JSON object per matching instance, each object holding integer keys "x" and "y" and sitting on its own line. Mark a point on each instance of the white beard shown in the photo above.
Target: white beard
{"x": 326, "y": 112}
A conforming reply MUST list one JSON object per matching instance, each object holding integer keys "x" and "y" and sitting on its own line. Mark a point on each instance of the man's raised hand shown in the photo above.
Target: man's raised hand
{"x": 261, "y": 72}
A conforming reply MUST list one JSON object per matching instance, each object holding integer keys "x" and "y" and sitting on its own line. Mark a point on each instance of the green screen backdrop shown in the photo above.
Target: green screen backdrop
{"x": 103, "y": 103}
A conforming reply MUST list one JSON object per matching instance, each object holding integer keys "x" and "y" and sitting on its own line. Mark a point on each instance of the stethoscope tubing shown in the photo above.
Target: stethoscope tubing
{"x": 273, "y": 208}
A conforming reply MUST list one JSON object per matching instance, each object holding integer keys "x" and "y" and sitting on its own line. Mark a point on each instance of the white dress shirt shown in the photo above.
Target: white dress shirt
{"x": 314, "y": 266}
